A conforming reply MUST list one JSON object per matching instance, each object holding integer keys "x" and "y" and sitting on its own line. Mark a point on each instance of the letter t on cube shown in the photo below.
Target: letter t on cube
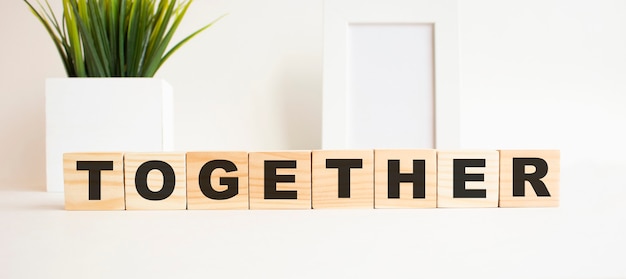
{"x": 94, "y": 181}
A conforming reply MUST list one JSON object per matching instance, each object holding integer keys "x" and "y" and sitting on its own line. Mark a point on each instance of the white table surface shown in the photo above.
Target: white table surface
{"x": 584, "y": 238}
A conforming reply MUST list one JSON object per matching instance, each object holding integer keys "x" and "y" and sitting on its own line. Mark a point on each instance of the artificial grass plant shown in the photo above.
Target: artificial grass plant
{"x": 114, "y": 38}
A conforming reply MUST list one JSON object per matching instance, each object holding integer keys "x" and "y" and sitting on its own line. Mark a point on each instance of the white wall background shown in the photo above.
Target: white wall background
{"x": 534, "y": 74}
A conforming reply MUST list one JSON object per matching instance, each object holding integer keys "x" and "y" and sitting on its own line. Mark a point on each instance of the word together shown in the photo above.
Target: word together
{"x": 316, "y": 179}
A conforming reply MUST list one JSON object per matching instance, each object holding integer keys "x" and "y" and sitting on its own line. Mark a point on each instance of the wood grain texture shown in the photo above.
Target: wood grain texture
{"x": 445, "y": 191}
{"x": 177, "y": 199}
{"x": 406, "y": 158}
{"x": 326, "y": 180}
{"x": 301, "y": 175}
{"x": 551, "y": 180}
{"x": 77, "y": 182}
{"x": 195, "y": 197}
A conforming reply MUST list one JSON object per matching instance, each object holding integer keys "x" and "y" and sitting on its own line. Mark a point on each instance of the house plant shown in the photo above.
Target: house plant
{"x": 114, "y": 38}
{"x": 125, "y": 41}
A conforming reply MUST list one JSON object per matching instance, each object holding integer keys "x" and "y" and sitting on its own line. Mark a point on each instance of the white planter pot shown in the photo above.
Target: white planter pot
{"x": 105, "y": 114}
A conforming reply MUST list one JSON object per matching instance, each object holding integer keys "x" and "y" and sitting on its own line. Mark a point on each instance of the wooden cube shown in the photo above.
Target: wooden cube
{"x": 529, "y": 178}
{"x": 405, "y": 178}
{"x": 280, "y": 180}
{"x": 155, "y": 181}
{"x": 94, "y": 181}
{"x": 467, "y": 178}
{"x": 343, "y": 179}
{"x": 217, "y": 180}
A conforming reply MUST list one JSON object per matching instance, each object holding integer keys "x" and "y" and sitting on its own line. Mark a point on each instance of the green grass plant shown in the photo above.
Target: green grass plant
{"x": 114, "y": 38}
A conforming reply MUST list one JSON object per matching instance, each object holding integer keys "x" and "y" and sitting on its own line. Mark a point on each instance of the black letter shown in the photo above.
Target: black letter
{"x": 460, "y": 177}
{"x": 519, "y": 176}
{"x": 204, "y": 180}
{"x": 344, "y": 166}
{"x": 141, "y": 183}
{"x": 418, "y": 178}
{"x": 94, "y": 168}
{"x": 271, "y": 178}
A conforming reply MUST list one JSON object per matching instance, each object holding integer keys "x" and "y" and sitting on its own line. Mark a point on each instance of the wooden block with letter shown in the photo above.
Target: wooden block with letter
{"x": 529, "y": 178}
{"x": 94, "y": 181}
{"x": 343, "y": 179}
{"x": 405, "y": 178}
{"x": 280, "y": 180}
{"x": 217, "y": 180}
{"x": 467, "y": 178}
{"x": 155, "y": 181}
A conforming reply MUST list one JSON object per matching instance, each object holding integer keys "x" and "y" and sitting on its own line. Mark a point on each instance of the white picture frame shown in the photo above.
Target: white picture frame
{"x": 340, "y": 14}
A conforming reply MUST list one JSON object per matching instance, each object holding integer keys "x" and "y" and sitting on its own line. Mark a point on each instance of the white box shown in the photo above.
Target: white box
{"x": 105, "y": 115}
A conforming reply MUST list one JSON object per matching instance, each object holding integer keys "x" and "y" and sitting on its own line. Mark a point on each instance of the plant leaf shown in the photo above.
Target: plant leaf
{"x": 122, "y": 38}
{"x": 182, "y": 42}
